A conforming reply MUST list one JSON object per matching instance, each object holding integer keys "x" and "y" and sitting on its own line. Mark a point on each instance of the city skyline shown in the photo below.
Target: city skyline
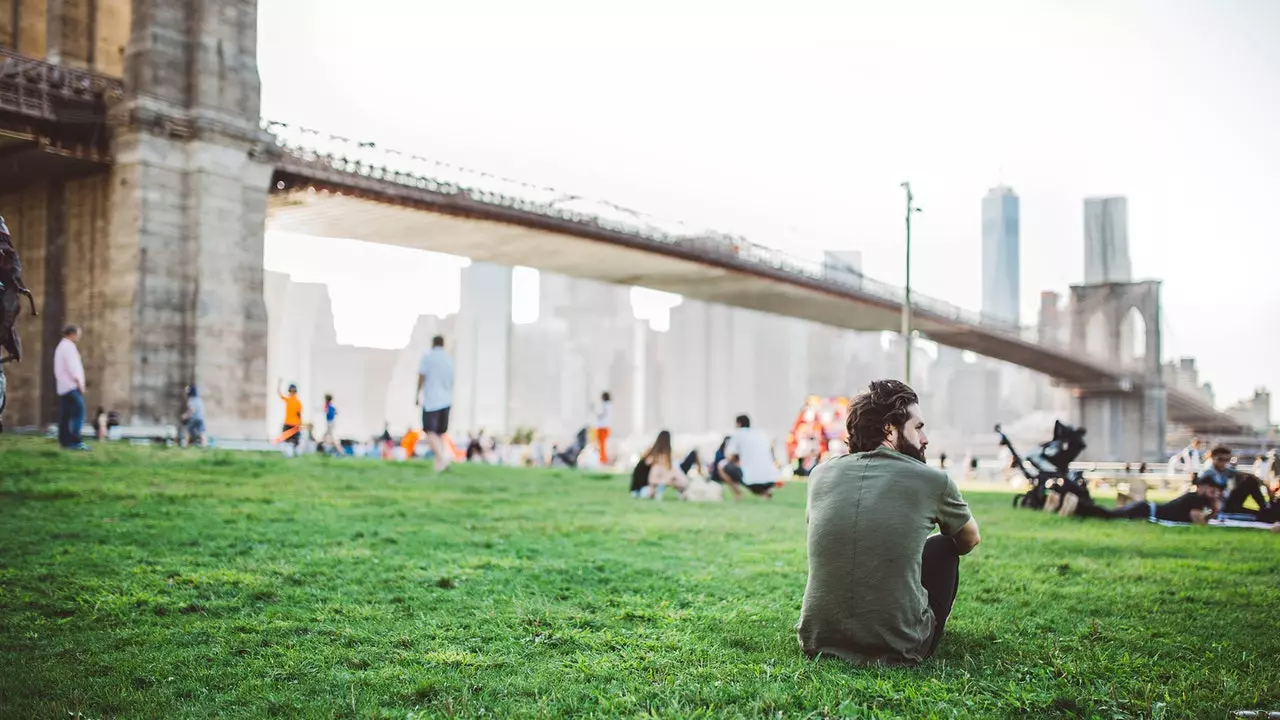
{"x": 774, "y": 154}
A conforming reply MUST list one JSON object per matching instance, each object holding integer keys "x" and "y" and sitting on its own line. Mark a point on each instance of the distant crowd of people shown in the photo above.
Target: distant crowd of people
{"x": 744, "y": 461}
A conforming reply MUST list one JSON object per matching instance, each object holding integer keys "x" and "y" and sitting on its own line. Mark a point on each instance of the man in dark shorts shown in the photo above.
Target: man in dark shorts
{"x": 880, "y": 589}
{"x": 435, "y": 397}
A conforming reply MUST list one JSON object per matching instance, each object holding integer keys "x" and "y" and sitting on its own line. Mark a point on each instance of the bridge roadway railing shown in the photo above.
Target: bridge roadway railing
{"x": 39, "y": 90}
{"x": 305, "y": 150}
{"x": 310, "y": 147}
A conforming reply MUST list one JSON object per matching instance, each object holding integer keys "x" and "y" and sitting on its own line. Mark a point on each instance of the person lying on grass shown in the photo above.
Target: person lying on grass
{"x": 1196, "y": 507}
{"x": 880, "y": 589}
{"x": 1199, "y": 506}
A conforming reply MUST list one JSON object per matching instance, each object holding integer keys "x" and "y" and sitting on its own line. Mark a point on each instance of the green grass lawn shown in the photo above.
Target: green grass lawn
{"x": 150, "y": 583}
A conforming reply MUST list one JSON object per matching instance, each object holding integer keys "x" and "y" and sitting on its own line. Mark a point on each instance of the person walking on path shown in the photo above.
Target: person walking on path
{"x": 292, "y": 429}
{"x": 68, "y": 376}
{"x": 194, "y": 418}
{"x": 435, "y": 397}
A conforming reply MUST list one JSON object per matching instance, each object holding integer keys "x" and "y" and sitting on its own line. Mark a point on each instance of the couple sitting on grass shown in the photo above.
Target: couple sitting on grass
{"x": 745, "y": 459}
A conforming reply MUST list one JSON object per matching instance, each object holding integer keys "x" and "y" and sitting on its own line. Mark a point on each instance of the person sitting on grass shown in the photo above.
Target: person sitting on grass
{"x": 749, "y": 461}
{"x": 1246, "y": 487}
{"x": 1220, "y": 472}
{"x": 880, "y": 589}
{"x": 658, "y": 471}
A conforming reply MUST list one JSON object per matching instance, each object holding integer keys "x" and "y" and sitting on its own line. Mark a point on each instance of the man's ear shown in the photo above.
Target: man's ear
{"x": 890, "y": 432}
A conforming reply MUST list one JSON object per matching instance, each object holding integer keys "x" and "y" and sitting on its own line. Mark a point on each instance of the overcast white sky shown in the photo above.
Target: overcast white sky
{"x": 795, "y": 122}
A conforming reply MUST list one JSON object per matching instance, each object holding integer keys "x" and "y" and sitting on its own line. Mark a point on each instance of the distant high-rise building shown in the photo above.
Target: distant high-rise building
{"x": 1255, "y": 412}
{"x": 1000, "y": 286}
{"x": 1050, "y": 324}
{"x": 1106, "y": 240}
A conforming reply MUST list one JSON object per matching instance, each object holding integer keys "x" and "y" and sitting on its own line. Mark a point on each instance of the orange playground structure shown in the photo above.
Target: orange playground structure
{"x": 819, "y": 428}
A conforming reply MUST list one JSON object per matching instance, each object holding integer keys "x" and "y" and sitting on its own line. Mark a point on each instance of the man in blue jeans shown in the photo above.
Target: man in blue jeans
{"x": 68, "y": 376}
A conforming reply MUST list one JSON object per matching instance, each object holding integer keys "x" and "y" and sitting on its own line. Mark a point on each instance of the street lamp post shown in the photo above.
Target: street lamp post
{"x": 906, "y": 305}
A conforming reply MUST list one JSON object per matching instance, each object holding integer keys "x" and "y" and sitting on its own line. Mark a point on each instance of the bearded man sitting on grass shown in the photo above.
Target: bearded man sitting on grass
{"x": 880, "y": 589}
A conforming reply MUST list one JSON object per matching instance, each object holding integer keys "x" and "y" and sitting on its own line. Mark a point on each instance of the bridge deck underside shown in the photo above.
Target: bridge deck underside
{"x": 25, "y": 161}
{"x": 325, "y": 214}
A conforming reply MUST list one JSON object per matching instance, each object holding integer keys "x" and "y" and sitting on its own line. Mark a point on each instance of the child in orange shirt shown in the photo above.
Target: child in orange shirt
{"x": 292, "y": 430}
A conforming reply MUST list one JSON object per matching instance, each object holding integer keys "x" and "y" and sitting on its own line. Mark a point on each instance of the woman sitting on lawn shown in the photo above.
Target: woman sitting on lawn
{"x": 656, "y": 471}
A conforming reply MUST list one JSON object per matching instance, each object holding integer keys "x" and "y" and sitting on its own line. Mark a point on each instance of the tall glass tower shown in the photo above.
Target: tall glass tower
{"x": 1000, "y": 286}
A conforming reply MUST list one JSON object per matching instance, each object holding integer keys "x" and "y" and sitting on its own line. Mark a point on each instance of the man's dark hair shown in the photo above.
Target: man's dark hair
{"x": 437, "y": 341}
{"x": 69, "y": 330}
{"x": 605, "y": 396}
{"x": 743, "y": 421}
{"x": 1220, "y": 451}
{"x": 884, "y": 403}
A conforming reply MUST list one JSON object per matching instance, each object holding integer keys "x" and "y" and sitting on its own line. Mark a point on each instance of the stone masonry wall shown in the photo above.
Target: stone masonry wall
{"x": 25, "y": 215}
{"x": 188, "y": 193}
{"x": 59, "y": 230}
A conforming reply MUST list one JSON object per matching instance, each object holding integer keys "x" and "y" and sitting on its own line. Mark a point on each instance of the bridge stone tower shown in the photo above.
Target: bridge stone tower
{"x": 1120, "y": 323}
{"x": 188, "y": 192}
{"x": 145, "y": 228}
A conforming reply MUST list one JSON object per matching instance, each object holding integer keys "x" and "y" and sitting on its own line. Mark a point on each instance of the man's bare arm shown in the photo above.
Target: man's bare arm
{"x": 967, "y": 537}
{"x": 418, "y": 395}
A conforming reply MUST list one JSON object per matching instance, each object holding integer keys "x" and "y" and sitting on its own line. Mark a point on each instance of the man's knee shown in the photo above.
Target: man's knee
{"x": 941, "y": 549}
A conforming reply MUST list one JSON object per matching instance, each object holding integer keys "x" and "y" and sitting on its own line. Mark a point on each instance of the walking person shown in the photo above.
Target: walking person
{"x": 435, "y": 397}
{"x": 880, "y": 589}
{"x": 194, "y": 418}
{"x": 68, "y": 376}
{"x": 603, "y": 420}
{"x": 291, "y": 432}
{"x": 329, "y": 442}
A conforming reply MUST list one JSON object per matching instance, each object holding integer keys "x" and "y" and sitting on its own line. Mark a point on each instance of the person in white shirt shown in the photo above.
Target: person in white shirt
{"x": 1188, "y": 460}
{"x": 603, "y": 420}
{"x": 749, "y": 461}
{"x": 435, "y": 397}
{"x": 68, "y": 377}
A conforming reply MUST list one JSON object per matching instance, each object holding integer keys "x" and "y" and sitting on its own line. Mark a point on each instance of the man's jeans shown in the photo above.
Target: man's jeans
{"x": 70, "y": 418}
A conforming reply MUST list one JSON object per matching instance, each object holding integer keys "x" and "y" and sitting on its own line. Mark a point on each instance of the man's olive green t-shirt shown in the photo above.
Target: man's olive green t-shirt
{"x": 869, "y": 515}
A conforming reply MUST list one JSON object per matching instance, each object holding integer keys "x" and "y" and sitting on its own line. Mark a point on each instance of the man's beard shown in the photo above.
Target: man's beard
{"x": 905, "y": 447}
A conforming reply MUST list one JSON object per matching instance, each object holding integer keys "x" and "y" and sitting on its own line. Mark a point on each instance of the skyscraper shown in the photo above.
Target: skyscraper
{"x": 1106, "y": 240}
{"x": 1000, "y": 286}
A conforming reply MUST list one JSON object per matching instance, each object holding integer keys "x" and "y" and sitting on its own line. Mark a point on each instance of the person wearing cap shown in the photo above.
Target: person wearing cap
{"x": 292, "y": 430}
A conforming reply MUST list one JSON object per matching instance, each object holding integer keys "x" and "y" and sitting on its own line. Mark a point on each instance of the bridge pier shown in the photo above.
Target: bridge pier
{"x": 159, "y": 257}
{"x": 1126, "y": 422}
{"x": 1122, "y": 426}
{"x": 182, "y": 277}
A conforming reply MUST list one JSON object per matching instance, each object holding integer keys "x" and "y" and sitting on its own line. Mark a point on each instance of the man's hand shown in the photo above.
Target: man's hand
{"x": 967, "y": 537}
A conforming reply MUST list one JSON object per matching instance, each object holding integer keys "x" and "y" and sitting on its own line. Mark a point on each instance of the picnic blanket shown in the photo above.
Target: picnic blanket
{"x": 1227, "y": 520}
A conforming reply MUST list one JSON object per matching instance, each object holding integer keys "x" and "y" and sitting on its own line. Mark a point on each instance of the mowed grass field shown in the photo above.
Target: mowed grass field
{"x": 141, "y": 583}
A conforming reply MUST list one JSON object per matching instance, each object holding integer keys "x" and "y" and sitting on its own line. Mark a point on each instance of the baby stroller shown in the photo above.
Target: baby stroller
{"x": 1048, "y": 469}
{"x": 569, "y": 457}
